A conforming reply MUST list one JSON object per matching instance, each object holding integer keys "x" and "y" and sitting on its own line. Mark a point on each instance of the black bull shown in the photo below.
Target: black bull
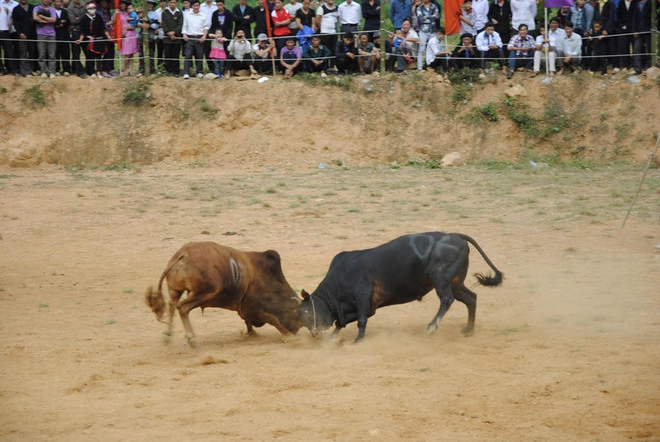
{"x": 400, "y": 271}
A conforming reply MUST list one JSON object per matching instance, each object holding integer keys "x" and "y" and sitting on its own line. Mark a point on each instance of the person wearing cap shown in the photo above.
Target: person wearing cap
{"x": 316, "y": 57}
{"x": 45, "y": 17}
{"x": 94, "y": 30}
{"x": 172, "y": 23}
{"x": 291, "y": 57}
{"x": 262, "y": 61}
{"x": 465, "y": 53}
{"x": 371, "y": 14}
{"x": 76, "y": 11}
{"x": 346, "y": 54}
{"x": 194, "y": 34}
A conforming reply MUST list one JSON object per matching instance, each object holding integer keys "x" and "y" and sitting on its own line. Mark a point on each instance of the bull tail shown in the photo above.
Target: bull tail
{"x": 486, "y": 280}
{"x": 154, "y": 298}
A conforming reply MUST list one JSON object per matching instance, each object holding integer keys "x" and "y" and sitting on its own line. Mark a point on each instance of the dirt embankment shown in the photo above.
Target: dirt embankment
{"x": 358, "y": 120}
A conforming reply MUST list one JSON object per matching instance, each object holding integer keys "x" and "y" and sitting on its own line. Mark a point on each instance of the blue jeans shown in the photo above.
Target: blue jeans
{"x": 520, "y": 61}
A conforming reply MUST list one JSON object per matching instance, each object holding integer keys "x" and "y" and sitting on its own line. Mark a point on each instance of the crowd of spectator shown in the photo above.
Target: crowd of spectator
{"x": 47, "y": 39}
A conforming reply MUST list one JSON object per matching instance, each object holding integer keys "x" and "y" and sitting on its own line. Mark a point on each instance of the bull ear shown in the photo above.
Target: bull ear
{"x": 304, "y": 294}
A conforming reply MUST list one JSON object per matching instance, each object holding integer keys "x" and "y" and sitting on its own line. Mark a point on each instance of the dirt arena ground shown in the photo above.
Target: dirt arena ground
{"x": 566, "y": 349}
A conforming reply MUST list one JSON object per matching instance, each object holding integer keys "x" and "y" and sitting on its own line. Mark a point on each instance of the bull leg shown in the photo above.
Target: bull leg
{"x": 446, "y": 300}
{"x": 272, "y": 320}
{"x": 185, "y": 307}
{"x": 250, "y": 329}
{"x": 469, "y": 298}
{"x": 175, "y": 295}
{"x": 363, "y": 310}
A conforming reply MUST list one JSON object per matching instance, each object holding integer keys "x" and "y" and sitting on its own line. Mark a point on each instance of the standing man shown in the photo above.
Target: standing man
{"x": 172, "y": 26}
{"x": 326, "y": 21}
{"x": 641, "y": 29}
{"x": 399, "y": 10}
{"x": 293, "y": 6}
{"x": 10, "y": 66}
{"x": 281, "y": 20}
{"x": 261, "y": 18}
{"x": 63, "y": 45}
{"x": 499, "y": 14}
{"x": 208, "y": 8}
{"x": 481, "y": 8}
{"x": 194, "y": 33}
{"x": 243, "y": 17}
{"x": 27, "y": 48}
{"x": 45, "y": 17}
{"x": 160, "y": 35}
{"x": 75, "y": 13}
{"x": 523, "y": 12}
{"x": 224, "y": 20}
{"x": 350, "y": 16}
{"x": 371, "y": 15}
{"x": 428, "y": 14}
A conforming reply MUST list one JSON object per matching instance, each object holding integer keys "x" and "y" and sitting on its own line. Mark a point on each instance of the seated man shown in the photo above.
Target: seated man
{"x": 545, "y": 53}
{"x": 489, "y": 45}
{"x": 437, "y": 55}
{"x": 521, "y": 51}
{"x": 316, "y": 57}
{"x": 570, "y": 49}
{"x": 346, "y": 54}
{"x": 240, "y": 57}
{"x": 366, "y": 55}
{"x": 290, "y": 57}
{"x": 465, "y": 53}
{"x": 262, "y": 61}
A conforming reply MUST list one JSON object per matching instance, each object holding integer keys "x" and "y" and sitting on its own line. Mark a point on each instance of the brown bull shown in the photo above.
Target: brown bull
{"x": 250, "y": 283}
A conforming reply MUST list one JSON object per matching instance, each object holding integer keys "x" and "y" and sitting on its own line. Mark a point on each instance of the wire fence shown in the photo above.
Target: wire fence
{"x": 392, "y": 55}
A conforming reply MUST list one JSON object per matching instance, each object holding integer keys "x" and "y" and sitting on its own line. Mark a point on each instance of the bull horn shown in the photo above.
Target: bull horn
{"x": 304, "y": 294}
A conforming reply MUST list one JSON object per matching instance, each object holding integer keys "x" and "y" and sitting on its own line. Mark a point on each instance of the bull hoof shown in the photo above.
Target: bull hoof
{"x": 467, "y": 331}
{"x": 432, "y": 327}
{"x": 192, "y": 343}
{"x": 167, "y": 336}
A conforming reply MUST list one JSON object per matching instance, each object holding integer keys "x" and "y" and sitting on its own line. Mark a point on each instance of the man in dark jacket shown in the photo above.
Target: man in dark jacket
{"x": 641, "y": 29}
{"x": 75, "y": 12}
{"x": 172, "y": 23}
{"x": 62, "y": 45}
{"x": 27, "y": 35}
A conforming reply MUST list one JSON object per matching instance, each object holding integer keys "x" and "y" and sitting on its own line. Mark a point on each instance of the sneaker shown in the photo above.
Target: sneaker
{"x": 186, "y": 76}
{"x": 52, "y": 76}
{"x": 66, "y": 74}
{"x": 106, "y": 75}
{"x": 509, "y": 75}
{"x": 220, "y": 76}
{"x": 616, "y": 70}
{"x": 93, "y": 76}
{"x": 44, "y": 75}
{"x": 200, "y": 75}
{"x": 83, "y": 76}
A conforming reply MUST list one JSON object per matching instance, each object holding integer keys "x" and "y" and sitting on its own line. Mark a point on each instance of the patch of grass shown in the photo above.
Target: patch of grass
{"x": 136, "y": 93}
{"x": 34, "y": 96}
{"x": 207, "y": 109}
{"x": 518, "y": 112}
{"x": 489, "y": 112}
{"x": 426, "y": 164}
{"x": 622, "y": 131}
{"x": 128, "y": 291}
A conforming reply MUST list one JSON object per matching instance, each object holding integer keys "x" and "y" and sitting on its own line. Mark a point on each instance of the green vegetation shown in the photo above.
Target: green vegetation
{"x": 136, "y": 93}
{"x": 34, "y": 96}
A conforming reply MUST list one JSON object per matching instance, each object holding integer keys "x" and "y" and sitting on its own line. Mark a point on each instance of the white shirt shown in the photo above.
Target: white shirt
{"x": 523, "y": 12}
{"x": 555, "y": 37}
{"x": 484, "y": 41}
{"x": 208, "y": 12}
{"x": 349, "y": 13}
{"x": 194, "y": 24}
{"x": 6, "y": 8}
{"x": 292, "y": 8}
{"x": 481, "y": 8}
{"x": 432, "y": 48}
{"x": 328, "y": 21}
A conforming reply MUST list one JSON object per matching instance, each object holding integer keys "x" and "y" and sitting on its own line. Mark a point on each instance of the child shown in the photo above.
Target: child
{"x": 218, "y": 53}
{"x": 597, "y": 34}
{"x": 133, "y": 18}
{"x": 398, "y": 39}
{"x": 468, "y": 18}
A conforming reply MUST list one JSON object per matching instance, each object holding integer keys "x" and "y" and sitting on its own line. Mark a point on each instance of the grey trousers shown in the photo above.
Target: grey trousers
{"x": 47, "y": 48}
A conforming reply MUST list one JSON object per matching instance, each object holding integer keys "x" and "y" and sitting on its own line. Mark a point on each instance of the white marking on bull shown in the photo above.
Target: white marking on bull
{"x": 235, "y": 271}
